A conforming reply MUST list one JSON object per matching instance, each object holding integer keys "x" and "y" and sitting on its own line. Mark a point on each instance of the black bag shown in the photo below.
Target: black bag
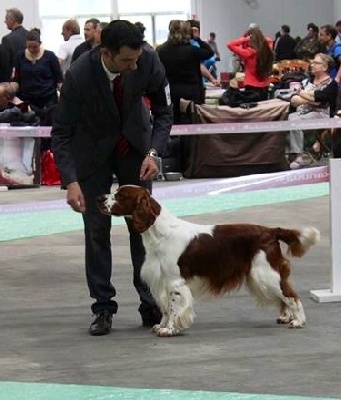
{"x": 292, "y": 76}
{"x": 235, "y": 97}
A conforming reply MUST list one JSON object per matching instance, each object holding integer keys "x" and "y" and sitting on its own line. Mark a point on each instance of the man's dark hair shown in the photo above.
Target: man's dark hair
{"x": 330, "y": 30}
{"x": 194, "y": 23}
{"x": 141, "y": 27}
{"x": 338, "y": 23}
{"x": 313, "y": 27}
{"x": 121, "y": 33}
{"x": 285, "y": 28}
{"x": 93, "y": 21}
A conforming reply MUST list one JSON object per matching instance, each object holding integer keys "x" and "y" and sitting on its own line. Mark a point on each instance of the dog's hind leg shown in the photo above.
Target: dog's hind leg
{"x": 270, "y": 286}
{"x": 292, "y": 305}
{"x": 292, "y": 311}
{"x": 285, "y": 316}
{"x": 264, "y": 282}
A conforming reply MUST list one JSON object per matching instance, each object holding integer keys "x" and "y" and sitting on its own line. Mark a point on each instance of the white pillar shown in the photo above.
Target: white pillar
{"x": 334, "y": 293}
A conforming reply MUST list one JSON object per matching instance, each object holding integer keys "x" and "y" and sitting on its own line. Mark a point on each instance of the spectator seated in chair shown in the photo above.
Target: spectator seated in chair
{"x": 317, "y": 99}
{"x": 16, "y": 153}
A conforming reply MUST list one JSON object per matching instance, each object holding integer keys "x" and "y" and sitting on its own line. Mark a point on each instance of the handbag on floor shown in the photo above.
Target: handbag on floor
{"x": 49, "y": 172}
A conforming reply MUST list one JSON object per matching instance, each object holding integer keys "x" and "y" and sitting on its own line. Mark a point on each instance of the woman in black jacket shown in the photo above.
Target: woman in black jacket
{"x": 182, "y": 62}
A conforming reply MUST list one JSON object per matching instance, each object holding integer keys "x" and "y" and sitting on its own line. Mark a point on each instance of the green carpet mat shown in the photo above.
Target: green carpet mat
{"x": 49, "y": 222}
{"x": 39, "y": 391}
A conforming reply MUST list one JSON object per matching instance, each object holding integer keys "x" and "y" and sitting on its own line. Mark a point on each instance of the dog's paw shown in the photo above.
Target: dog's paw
{"x": 155, "y": 328}
{"x": 167, "y": 332}
{"x": 285, "y": 317}
{"x": 295, "y": 324}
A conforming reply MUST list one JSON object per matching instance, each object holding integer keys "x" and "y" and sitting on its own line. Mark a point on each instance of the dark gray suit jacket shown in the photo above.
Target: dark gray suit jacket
{"x": 87, "y": 123}
{"x": 11, "y": 44}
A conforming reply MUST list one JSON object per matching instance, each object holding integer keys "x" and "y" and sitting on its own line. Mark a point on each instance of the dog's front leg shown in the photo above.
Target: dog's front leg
{"x": 179, "y": 312}
{"x": 163, "y": 323}
{"x": 170, "y": 317}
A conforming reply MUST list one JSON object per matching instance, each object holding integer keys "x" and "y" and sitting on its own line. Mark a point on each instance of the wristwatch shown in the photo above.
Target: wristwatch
{"x": 153, "y": 153}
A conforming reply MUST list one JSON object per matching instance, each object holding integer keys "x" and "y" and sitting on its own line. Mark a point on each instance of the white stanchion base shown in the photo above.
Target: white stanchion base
{"x": 325, "y": 296}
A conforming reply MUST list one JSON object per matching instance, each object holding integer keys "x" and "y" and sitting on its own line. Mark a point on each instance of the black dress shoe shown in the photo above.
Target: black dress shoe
{"x": 102, "y": 324}
{"x": 151, "y": 318}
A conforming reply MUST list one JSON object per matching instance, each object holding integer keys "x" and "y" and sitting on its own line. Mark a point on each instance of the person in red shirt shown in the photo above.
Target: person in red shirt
{"x": 257, "y": 57}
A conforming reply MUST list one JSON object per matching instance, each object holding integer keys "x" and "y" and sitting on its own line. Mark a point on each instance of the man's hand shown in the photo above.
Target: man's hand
{"x": 75, "y": 198}
{"x": 215, "y": 82}
{"x": 149, "y": 169}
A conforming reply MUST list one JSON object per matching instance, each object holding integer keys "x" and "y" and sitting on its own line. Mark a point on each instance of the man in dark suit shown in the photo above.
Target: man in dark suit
{"x": 95, "y": 135}
{"x": 92, "y": 39}
{"x": 12, "y": 42}
{"x": 2, "y": 65}
{"x": 285, "y": 45}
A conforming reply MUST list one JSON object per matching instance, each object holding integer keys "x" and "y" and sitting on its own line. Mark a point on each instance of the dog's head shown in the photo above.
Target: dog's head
{"x": 131, "y": 201}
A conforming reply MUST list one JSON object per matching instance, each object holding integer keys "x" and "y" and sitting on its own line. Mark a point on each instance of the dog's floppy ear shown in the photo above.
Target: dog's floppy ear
{"x": 143, "y": 216}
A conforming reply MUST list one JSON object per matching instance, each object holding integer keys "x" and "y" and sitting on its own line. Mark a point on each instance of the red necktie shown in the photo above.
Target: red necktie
{"x": 118, "y": 91}
{"x": 123, "y": 144}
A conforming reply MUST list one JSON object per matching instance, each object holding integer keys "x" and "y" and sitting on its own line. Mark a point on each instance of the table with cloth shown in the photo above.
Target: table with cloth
{"x": 226, "y": 155}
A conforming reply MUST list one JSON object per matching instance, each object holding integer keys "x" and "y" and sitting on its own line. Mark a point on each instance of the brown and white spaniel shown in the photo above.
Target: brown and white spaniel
{"x": 185, "y": 260}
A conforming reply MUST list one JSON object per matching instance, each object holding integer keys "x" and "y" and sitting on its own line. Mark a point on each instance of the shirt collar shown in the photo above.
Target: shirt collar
{"x": 111, "y": 75}
{"x": 75, "y": 36}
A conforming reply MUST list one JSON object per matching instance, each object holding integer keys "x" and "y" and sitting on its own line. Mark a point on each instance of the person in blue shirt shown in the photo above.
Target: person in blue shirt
{"x": 328, "y": 34}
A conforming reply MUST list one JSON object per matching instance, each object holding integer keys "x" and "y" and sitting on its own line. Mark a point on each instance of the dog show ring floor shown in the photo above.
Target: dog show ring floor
{"x": 234, "y": 350}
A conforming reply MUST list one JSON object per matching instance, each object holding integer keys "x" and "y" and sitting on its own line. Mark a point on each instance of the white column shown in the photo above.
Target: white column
{"x": 334, "y": 293}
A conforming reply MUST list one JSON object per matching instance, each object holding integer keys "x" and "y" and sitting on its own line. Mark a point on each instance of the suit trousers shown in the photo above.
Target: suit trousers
{"x": 98, "y": 256}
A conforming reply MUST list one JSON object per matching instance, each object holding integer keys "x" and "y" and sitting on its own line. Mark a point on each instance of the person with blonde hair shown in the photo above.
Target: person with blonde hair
{"x": 72, "y": 38}
{"x": 256, "y": 55}
{"x": 182, "y": 64}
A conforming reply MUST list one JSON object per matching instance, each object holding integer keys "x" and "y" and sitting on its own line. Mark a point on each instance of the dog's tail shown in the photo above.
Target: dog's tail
{"x": 298, "y": 241}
